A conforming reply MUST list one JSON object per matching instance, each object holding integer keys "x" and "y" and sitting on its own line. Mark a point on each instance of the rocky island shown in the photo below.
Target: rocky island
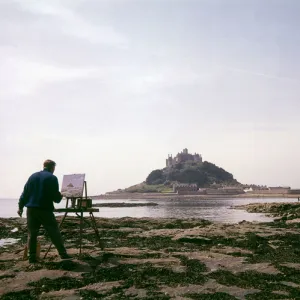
{"x": 187, "y": 175}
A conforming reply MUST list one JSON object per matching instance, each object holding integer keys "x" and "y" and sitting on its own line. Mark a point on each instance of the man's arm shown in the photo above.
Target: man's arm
{"x": 56, "y": 193}
{"x": 23, "y": 199}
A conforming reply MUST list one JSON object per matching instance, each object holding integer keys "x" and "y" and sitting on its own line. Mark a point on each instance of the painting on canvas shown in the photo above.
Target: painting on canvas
{"x": 72, "y": 185}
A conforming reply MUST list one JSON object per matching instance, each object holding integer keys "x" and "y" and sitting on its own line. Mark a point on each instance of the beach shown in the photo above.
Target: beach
{"x": 146, "y": 258}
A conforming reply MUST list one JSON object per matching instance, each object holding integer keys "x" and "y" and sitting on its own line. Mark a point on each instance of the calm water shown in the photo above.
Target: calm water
{"x": 213, "y": 210}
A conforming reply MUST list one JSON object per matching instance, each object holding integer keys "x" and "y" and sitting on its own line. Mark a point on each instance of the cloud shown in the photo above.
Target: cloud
{"x": 150, "y": 79}
{"x": 260, "y": 74}
{"x": 162, "y": 78}
{"x": 20, "y": 76}
{"x": 48, "y": 41}
{"x": 73, "y": 24}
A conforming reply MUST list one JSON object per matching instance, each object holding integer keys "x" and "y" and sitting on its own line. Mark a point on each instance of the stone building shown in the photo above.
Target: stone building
{"x": 183, "y": 156}
{"x": 185, "y": 187}
{"x": 272, "y": 190}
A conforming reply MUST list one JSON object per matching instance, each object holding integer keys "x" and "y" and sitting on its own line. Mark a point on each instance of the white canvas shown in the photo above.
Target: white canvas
{"x": 72, "y": 185}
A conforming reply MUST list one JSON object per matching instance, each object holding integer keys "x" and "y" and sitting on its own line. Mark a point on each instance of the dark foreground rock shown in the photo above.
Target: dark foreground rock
{"x": 158, "y": 259}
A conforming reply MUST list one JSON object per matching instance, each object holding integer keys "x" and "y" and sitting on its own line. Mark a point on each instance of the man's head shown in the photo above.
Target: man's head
{"x": 49, "y": 165}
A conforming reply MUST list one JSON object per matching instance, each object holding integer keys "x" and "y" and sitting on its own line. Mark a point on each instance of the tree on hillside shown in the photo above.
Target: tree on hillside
{"x": 192, "y": 175}
{"x": 219, "y": 173}
{"x": 156, "y": 177}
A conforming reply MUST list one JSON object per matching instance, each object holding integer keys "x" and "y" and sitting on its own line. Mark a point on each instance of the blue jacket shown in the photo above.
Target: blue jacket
{"x": 40, "y": 191}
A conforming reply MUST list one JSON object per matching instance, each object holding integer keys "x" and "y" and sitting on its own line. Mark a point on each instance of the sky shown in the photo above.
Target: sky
{"x": 109, "y": 88}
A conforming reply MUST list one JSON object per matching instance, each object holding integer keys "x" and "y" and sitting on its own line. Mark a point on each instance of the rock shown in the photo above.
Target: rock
{"x": 293, "y": 221}
{"x": 291, "y": 284}
{"x": 243, "y": 222}
{"x": 280, "y": 293}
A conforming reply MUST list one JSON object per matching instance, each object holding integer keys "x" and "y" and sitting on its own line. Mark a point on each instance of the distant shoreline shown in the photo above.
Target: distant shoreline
{"x": 145, "y": 196}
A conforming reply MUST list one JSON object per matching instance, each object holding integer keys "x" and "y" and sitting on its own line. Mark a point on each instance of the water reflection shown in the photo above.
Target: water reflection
{"x": 8, "y": 241}
{"x": 213, "y": 210}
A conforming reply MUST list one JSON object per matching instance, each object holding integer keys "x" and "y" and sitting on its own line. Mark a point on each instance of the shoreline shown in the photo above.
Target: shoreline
{"x": 146, "y": 258}
{"x": 147, "y": 196}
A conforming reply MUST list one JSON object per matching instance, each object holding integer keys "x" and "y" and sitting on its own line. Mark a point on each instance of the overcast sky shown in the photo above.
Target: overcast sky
{"x": 109, "y": 88}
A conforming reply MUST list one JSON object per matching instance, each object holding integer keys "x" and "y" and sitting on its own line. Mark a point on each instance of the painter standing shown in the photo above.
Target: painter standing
{"x": 40, "y": 191}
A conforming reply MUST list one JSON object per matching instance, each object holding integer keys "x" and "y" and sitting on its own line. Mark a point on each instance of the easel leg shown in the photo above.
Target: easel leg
{"x": 81, "y": 225}
{"x": 84, "y": 220}
{"x": 94, "y": 225}
{"x": 60, "y": 224}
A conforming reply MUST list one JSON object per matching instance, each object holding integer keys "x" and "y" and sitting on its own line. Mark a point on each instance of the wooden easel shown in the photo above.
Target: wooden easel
{"x": 79, "y": 206}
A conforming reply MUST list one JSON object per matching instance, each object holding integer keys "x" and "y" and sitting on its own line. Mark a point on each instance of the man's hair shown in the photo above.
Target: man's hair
{"x": 49, "y": 164}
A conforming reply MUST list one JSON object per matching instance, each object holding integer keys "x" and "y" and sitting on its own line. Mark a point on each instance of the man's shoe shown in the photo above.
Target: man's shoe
{"x": 33, "y": 260}
{"x": 66, "y": 256}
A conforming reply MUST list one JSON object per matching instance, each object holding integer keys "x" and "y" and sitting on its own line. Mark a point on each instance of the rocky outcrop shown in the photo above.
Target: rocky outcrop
{"x": 282, "y": 211}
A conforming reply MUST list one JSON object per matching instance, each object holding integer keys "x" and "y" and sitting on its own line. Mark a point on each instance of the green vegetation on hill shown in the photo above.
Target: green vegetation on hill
{"x": 147, "y": 188}
{"x": 204, "y": 174}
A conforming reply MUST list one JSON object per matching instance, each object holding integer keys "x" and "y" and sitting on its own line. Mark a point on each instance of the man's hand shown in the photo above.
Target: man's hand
{"x": 20, "y": 212}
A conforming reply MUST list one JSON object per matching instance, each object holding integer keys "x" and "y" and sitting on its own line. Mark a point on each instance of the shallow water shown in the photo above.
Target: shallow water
{"x": 213, "y": 210}
{"x": 6, "y": 242}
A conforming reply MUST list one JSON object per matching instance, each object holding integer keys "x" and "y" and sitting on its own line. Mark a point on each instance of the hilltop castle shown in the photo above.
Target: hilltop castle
{"x": 183, "y": 157}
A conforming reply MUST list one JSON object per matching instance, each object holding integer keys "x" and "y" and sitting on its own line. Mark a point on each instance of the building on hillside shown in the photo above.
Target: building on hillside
{"x": 185, "y": 187}
{"x": 294, "y": 191}
{"x": 225, "y": 191}
{"x": 273, "y": 190}
{"x": 192, "y": 189}
{"x": 184, "y": 156}
{"x": 279, "y": 189}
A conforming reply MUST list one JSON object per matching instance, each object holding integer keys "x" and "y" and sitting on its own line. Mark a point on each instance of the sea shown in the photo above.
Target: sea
{"x": 217, "y": 210}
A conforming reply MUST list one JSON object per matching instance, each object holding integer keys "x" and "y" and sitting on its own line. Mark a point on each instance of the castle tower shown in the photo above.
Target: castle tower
{"x": 169, "y": 161}
{"x": 183, "y": 157}
{"x": 197, "y": 157}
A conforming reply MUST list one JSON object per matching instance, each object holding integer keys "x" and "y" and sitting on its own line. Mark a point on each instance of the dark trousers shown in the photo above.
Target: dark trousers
{"x": 37, "y": 217}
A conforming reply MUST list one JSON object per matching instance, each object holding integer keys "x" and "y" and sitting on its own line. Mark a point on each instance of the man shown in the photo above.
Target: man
{"x": 40, "y": 191}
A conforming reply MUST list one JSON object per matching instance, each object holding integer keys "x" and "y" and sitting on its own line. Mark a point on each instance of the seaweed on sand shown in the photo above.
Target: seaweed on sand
{"x": 212, "y": 296}
{"x": 267, "y": 283}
